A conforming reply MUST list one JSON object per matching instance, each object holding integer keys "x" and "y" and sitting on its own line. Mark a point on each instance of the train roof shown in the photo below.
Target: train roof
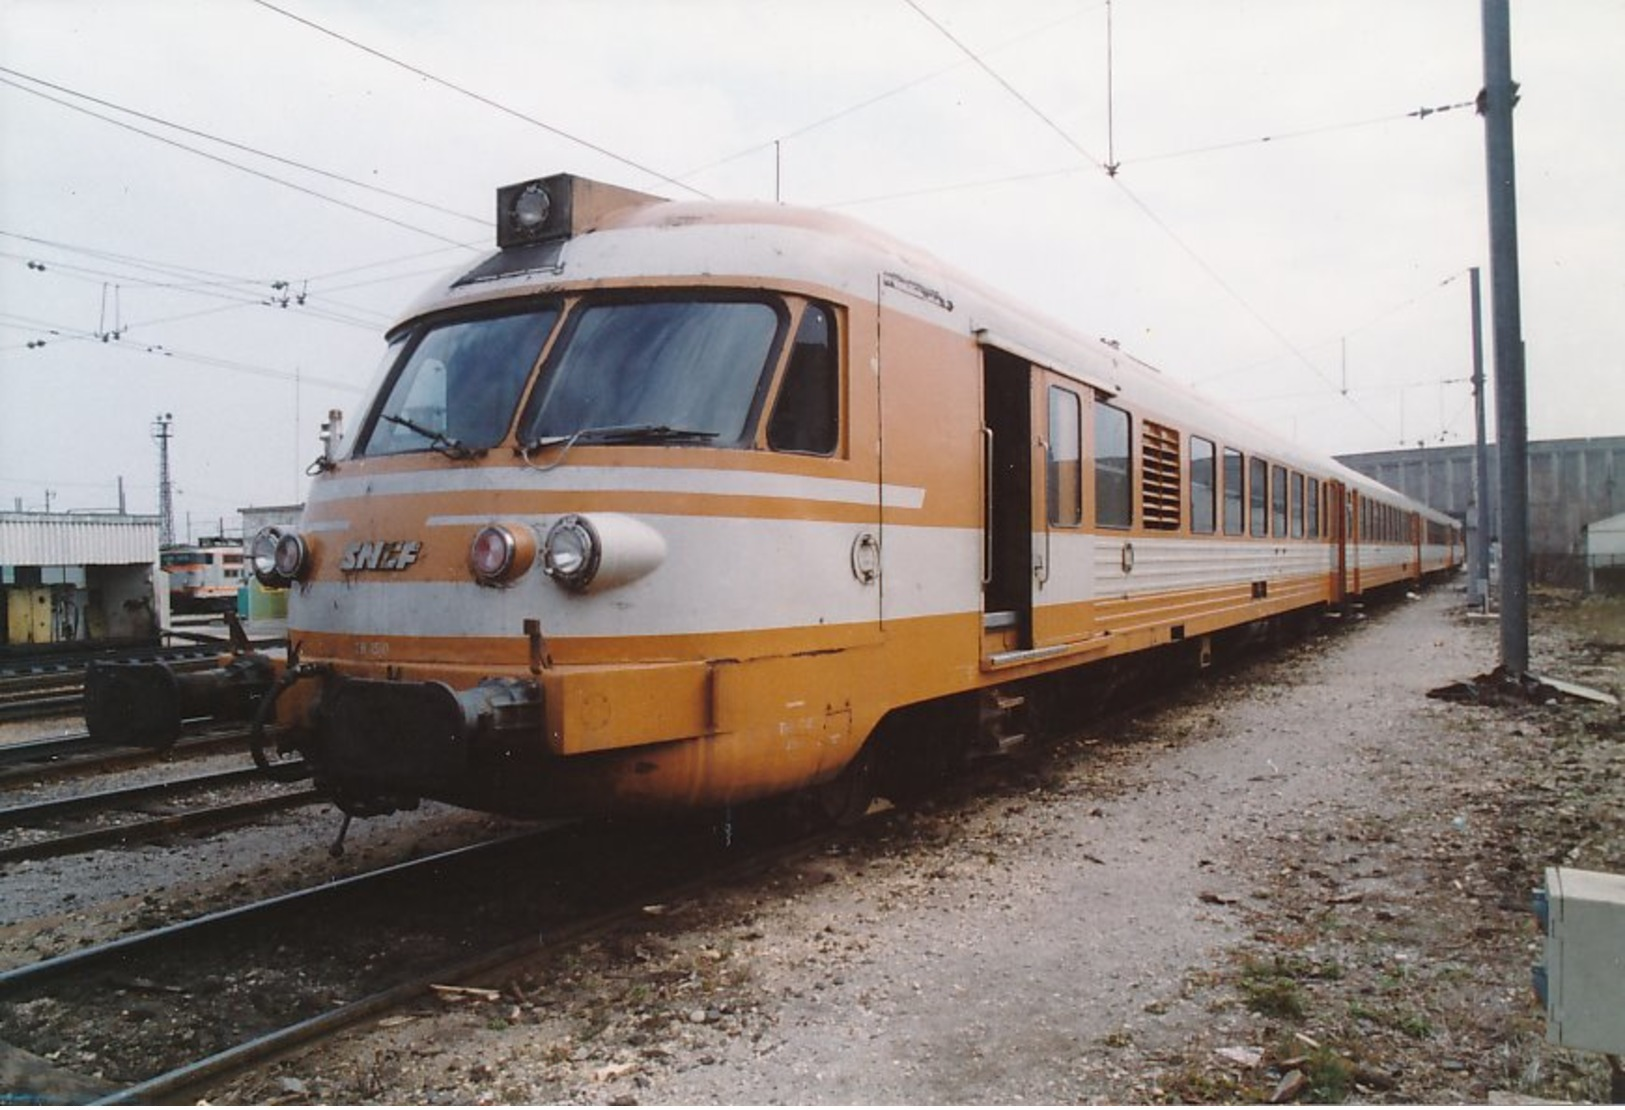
{"x": 628, "y": 235}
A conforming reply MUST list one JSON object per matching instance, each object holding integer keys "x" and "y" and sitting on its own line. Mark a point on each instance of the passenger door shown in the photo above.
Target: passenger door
{"x": 1338, "y": 522}
{"x": 1007, "y": 503}
{"x": 1063, "y": 562}
{"x": 1038, "y": 569}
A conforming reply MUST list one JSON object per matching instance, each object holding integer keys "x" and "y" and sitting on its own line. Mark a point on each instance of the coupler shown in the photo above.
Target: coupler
{"x": 144, "y": 704}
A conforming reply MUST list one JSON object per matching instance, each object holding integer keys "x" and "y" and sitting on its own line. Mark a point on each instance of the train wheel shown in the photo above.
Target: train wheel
{"x": 921, "y": 747}
{"x": 844, "y": 799}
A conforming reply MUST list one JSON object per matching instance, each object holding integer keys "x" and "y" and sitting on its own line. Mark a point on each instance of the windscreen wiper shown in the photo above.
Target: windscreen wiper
{"x": 622, "y": 433}
{"x": 438, "y": 441}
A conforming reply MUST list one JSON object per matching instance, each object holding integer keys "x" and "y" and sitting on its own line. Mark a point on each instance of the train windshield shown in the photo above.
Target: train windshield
{"x": 676, "y": 370}
{"x": 461, "y": 382}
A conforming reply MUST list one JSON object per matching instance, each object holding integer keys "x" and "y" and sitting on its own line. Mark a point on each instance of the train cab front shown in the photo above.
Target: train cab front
{"x": 413, "y": 671}
{"x": 514, "y": 589}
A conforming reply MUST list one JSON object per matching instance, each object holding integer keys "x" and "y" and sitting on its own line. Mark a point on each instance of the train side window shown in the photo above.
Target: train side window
{"x": 1114, "y": 501}
{"x": 1297, "y": 506}
{"x": 1278, "y": 500}
{"x": 1235, "y": 493}
{"x": 1064, "y": 458}
{"x": 1203, "y": 486}
{"x": 1312, "y": 507}
{"x": 1258, "y": 476}
{"x": 805, "y": 416}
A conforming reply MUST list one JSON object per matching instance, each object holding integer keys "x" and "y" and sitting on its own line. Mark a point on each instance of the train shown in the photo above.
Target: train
{"x": 678, "y": 505}
{"x": 204, "y": 577}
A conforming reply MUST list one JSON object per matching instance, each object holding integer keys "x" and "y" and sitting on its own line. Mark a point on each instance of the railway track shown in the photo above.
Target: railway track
{"x": 72, "y": 754}
{"x": 34, "y": 705}
{"x": 230, "y": 989}
{"x": 138, "y": 824}
{"x": 42, "y": 665}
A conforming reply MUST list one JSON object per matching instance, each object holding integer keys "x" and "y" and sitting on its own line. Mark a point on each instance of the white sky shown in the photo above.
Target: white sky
{"x": 1269, "y": 273}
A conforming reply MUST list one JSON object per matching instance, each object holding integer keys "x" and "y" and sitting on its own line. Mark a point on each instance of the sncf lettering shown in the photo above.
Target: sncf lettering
{"x": 380, "y": 555}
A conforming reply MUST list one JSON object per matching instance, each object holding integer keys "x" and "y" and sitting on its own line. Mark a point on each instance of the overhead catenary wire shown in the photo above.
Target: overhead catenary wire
{"x": 479, "y": 97}
{"x": 1036, "y": 111}
{"x": 185, "y": 277}
{"x": 191, "y": 279}
{"x": 163, "y": 351}
{"x": 1146, "y": 211}
{"x": 239, "y": 292}
{"x": 247, "y": 149}
{"x": 1343, "y": 334}
{"x": 283, "y": 182}
{"x": 958, "y": 186}
{"x": 1303, "y": 133}
{"x": 804, "y": 129}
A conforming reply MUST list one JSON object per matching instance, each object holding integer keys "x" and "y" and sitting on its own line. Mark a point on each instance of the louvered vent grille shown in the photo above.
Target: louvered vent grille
{"x": 1160, "y": 476}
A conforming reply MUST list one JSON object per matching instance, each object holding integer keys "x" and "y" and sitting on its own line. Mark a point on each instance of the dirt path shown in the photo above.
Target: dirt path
{"x": 1310, "y": 863}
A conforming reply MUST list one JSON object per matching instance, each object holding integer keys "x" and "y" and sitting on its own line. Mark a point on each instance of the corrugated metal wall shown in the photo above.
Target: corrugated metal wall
{"x": 1572, "y": 482}
{"x": 77, "y": 539}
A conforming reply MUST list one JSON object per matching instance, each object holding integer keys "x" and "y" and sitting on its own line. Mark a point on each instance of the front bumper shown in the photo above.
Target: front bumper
{"x": 421, "y": 737}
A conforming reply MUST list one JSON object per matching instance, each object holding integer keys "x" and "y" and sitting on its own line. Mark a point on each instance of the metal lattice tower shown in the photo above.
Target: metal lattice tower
{"x": 166, "y": 502}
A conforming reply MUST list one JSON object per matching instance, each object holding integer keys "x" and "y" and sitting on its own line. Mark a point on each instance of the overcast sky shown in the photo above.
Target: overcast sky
{"x": 231, "y": 200}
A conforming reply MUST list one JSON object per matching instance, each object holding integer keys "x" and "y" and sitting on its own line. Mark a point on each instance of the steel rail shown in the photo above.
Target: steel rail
{"x": 186, "y": 1081}
{"x": 18, "y": 815}
{"x": 17, "y": 979}
{"x": 53, "y": 705}
{"x": 45, "y": 748}
{"x": 76, "y": 752}
{"x": 17, "y": 668}
{"x": 130, "y": 832}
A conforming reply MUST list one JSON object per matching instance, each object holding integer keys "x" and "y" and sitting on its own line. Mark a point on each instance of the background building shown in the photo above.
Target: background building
{"x": 1573, "y": 483}
{"x": 79, "y": 577}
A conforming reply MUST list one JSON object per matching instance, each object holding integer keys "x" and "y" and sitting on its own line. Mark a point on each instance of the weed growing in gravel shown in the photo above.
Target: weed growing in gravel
{"x": 1268, "y": 989}
{"x": 1330, "y": 1075}
{"x": 1271, "y": 987}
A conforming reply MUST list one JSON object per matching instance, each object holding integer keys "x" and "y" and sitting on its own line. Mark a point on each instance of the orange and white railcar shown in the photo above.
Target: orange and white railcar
{"x": 673, "y": 505}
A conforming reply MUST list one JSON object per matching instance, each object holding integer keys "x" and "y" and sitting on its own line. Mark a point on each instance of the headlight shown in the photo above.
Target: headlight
{"x": 279, "y": 556}
{"x": 530, "y": 208}
{"x": 291, "y": 556}
{"x": 571, "y": 553}
{"x": 499, "y": 553}
{"x": 533, "y": 211}
{"x": 601, "y": 551}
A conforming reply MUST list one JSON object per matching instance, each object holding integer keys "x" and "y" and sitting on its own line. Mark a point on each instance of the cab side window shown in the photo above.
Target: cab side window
{"x": 806, "y": 416}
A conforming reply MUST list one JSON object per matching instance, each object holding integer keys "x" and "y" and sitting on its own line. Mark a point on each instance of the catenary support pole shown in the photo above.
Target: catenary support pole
{"x": 1479, "y": 557}
{"x": 1511, "y": 421}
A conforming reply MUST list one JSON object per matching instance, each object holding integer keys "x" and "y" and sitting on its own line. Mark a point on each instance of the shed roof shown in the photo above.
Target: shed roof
{"x": 77, "y": 539}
